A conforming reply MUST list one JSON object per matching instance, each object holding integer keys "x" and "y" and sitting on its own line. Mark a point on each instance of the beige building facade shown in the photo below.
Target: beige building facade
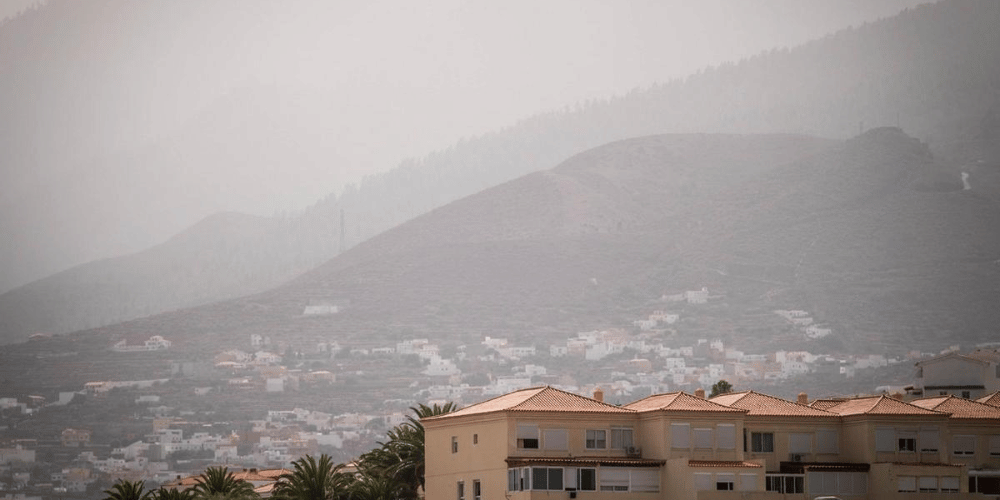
{"x": 547, "y": 443}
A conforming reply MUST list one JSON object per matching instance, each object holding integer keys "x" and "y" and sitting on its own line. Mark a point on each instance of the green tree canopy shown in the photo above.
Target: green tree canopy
{"x": 218, "y": 482}
{"x": 128, "y": 490}
{"x": 313, "y": 479}
{"x": 721, "y": 387}
{"x": 396, "y": 468}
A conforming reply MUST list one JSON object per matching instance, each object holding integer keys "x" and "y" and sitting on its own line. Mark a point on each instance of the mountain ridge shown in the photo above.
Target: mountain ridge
{"x": 938, "y": 82}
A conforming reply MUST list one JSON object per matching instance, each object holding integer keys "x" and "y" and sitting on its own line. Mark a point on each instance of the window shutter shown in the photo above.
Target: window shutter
{"x": 907, "y": 484}
{"x": 885, "y": 439}
{"x": 703, "y": 438}
{"x": 703, "y": 481}
{"x": 964, "y": 445}
{"x": 680, "y": 436}
{"x": 727, "y": 436}
{"x": 748, "y": 482}
{"x": 613, "y": 477}
{"x": 950, "y": 484}
{"x": 555, "y": 439}
{"x": 994, "y": 445}
{"x": 927, "y": 483}
{"x": 827, "y": 441}
{"x": 800, "y": 443}
{"x": 645, "y": 480}
{"x": 929, "y": 439}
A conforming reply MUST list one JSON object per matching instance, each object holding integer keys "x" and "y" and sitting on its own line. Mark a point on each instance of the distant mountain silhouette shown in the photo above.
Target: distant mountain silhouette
{"x": 933, "y": 70}
{"x": 845, "y": 230}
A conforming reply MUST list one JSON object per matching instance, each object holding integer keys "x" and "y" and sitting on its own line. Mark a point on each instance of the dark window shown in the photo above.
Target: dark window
{"x": 587, "y": 480}
{"x": 454, "y": 444}
{"x": 547, "y": 478}
{"x": 528, "y": 443}
{"x": 477, "y": 491}
{"x": 597, "y": 439}
{"x": 461, "y": 490}
{"x": 762, "y": 442}
{"x": 907, "y": 444}
{"x": 724, "y": 485}
{"x": 785, "y": 483}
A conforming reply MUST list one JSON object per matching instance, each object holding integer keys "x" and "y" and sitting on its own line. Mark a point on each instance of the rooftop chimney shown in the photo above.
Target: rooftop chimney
{"x": 803, "y": 398}
{"x": 599, "y": 394}
{"x": 699, "y": 393}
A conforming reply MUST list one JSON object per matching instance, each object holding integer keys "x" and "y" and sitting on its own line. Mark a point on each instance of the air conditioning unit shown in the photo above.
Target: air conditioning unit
{"x": 795, "y": 457}
{"x": 633, "y": 451}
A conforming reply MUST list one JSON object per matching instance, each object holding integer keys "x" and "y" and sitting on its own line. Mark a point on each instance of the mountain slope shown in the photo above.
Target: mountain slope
{"x": 846, "y": 230}
{"x": 934, "y": 70}
{"x": 224, "y": 255}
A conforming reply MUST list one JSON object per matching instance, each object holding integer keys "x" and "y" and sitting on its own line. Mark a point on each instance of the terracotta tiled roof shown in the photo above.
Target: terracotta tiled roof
{"x": 256, "y": 475}
{"x": 679, "y": 401}
{"x": 825, "y": 404}
{"x": 761, "y": 404}
{"x": 990, "y": 399}
{"x": 979, "y": 356}
{"x": 537, "y": 399}
{"x": 878, "y": 405}
{"x": 988, "y": 355}
{"x": 249, "y": 475}
{"x": 724, "y": 463}
{"x": 959, "y": 408}
{"x": 584, "y": 461}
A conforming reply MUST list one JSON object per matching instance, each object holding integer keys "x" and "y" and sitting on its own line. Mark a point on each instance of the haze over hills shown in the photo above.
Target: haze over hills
{"x": 847, "y": 229}
{"x": 934, "y": 70}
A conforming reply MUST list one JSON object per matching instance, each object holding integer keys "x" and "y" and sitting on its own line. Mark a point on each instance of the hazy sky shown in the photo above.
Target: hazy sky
{"x": 197, "y": 93}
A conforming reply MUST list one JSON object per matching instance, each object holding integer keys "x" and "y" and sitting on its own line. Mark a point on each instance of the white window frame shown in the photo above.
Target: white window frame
{"x": 548, "y": 473}
{"x": 906, "y": 441}
{"x": 622, "y": 438}
{"x": 725, "y": 481}
{"x": 593, "y": 442}
{"x": 758, "y": 442}
{"x": 526, "y": 433}
{"x": 579, "y": 478}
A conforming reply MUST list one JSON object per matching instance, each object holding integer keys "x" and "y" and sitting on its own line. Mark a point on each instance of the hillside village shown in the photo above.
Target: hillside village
{"x": 168, "y": 436}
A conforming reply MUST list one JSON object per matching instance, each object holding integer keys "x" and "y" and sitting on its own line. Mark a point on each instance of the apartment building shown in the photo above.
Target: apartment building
{"x": 547, "y": 443}
{"x": 970, "y": 375}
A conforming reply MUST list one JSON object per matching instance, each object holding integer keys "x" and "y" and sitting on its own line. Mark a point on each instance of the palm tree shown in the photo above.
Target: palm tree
{"x": 406, "y": 442}
{"x": 172, "y": 494}
{"x": 312, "y": 480}
{"x": 128, "y": 490}
{"x": 378, "y": 487}
{"x": 218, "y": 481}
